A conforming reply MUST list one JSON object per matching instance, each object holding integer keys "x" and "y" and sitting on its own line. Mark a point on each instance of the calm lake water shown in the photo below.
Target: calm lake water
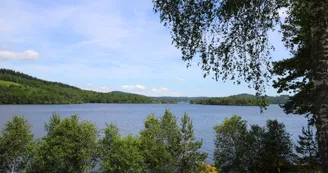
{"x": 129, "y": 117}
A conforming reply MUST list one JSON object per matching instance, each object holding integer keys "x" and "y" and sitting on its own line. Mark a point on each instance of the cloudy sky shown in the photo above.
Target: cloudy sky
{"x": 103, "y": 45}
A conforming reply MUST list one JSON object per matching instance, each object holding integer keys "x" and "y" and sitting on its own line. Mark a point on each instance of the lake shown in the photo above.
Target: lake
{"x": 130, "y": 117}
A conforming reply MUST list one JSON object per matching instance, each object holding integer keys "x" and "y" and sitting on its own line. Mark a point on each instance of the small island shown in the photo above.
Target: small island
{"x": 232, "y": 100}
{"x": 242, "y": 100}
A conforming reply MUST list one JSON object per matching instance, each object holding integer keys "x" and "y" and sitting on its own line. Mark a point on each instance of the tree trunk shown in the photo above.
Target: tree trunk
{"x": 13, "y": 166}
{"x": 319, "y": 55}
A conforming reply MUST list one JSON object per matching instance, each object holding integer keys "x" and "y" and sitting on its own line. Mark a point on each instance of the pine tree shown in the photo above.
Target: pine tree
{"x": 308, "y": 149}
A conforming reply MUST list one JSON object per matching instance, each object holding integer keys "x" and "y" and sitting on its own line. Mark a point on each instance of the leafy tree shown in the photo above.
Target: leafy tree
{"x": 154, "y": 150}
{"x": 120, "y": 154}
{"x": 69, "y": 146}
{"x": 16, "y": 143}
{"x": 308, "y": 149}
{"x": 231, "y": 39}
{"x": 230, "y": 150}
{"x": 258, "y": 150}
{"x": 170, "y": 148}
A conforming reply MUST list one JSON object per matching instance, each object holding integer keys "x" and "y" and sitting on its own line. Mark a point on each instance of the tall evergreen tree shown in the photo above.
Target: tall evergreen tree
{"x": 231, "y": 39}
{"x": 308, "y": 150}
{"x": 190, "y": 157}
{"x": 278, "y": 148}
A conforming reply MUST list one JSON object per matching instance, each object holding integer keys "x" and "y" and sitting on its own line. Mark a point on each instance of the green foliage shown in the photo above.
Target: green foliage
{"x": 190, "y": 159}
{"x": 230, "y": 37}
{"x": 237, "y": 101}
{"x": 307, "y": 147}
{"x": 278, "y": 147}
{"x": 169, "y": 99}
{"x": 168, "y": 147}
{"x": 153, "y": 146}
{"x": 296, "y": 73}
{"x": 261, "y": 150}
{"x": 230, "y": 149}
{"x": 69, "y": 146}
{"x": 7, "y": 84}
{"x": 120, "y": 154}
{"x": 16, "y": 142}
{"x": 163, "y": 146}
{"x": 19, "y": 88}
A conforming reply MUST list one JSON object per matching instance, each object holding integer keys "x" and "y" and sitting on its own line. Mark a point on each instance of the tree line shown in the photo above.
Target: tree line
{"x": 165, "y": 144}
{"x": 30, "y": 90}
{"x": 233, "y": 100}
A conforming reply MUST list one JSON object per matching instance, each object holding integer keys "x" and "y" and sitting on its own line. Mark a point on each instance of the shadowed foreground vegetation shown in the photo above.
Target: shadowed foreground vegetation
{"x": 164, "y": 145}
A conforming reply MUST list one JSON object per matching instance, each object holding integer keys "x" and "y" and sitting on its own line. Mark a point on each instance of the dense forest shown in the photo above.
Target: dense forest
{"x": 165, "y": 144}
{"x": 241, "y": 100}
{"x": 19, "y": 88}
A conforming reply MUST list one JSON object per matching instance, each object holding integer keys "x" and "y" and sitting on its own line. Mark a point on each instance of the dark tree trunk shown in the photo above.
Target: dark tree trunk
{"x": 319, "y": 55}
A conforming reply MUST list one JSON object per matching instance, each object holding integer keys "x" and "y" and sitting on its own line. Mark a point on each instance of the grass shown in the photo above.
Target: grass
{"x": 7, "y": 83}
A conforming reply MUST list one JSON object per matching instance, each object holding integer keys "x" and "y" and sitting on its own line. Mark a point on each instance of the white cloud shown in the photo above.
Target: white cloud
{"x": 175, "y": 94}
{"x": 136, "y": 89}
{"x": 197, "y": 89}
{"x": 160, "y": 90}
{"x": 133, "y": 87}
{"x": 164, "y": 92}
{"x": 26, "y": 55}
{"x": 103, "y": 89}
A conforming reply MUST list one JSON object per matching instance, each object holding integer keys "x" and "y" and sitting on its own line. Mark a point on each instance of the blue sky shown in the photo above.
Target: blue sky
{"x": 104, "y": 45}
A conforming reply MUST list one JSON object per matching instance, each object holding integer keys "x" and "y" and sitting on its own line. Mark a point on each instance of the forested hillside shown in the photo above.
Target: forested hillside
{"x": 19, "y": 88}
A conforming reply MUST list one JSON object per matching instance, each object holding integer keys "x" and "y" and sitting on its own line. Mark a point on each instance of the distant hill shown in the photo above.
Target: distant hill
{"x": 20, "y": 88}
